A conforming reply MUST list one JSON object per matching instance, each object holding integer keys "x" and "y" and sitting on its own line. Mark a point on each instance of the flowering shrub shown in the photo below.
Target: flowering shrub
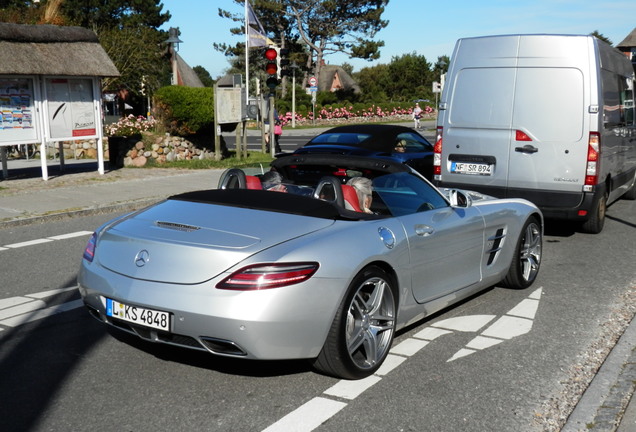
{"x": 330, "y": 113}
{"x": 129, "y": 126}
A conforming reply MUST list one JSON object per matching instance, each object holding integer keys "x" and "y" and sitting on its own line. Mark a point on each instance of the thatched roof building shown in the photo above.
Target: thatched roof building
{"x": 52, "y": 50}
{"x": 333, "y": 78}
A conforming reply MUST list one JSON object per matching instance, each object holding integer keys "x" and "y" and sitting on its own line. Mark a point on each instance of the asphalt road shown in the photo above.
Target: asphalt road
{"x": 66, "y": 371}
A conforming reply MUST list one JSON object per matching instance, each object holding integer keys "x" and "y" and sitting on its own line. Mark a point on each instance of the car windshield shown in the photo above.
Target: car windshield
{"x": 340, "y": 138}
{"x": 394, "y": 194}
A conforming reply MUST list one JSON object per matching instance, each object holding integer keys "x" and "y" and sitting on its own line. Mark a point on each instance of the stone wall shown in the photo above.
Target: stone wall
{"x": 163, "y": 149}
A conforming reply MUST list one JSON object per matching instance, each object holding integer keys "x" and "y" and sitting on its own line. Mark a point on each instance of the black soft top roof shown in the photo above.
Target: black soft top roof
{"x": 379, "y": 165}
{"x": 271, "y": 201}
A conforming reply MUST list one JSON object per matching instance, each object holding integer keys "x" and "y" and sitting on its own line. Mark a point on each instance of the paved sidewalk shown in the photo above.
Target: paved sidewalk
{"x": 25, "y": 198}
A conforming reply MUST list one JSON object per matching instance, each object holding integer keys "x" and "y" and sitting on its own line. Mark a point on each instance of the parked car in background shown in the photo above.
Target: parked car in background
{"x": 276, "y": 266}
{"x": 393, "y": 142}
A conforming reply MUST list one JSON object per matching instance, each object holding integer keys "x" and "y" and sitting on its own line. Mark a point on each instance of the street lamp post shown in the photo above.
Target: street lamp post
{"x": 174, "y": 41}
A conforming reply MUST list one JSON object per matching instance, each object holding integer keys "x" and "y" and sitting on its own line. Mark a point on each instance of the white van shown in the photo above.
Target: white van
{"x": 548, "y": 118}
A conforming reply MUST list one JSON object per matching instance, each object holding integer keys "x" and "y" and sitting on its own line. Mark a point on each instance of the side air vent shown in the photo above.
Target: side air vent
{"x": 496, "y": 241}
{"x": 177, "y": 226}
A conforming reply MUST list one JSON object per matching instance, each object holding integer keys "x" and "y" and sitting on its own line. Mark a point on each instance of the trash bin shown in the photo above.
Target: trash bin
{"x": 115, "y": 152}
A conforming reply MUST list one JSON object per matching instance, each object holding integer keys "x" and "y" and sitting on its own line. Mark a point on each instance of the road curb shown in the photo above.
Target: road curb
{"x": 603, "y": 404}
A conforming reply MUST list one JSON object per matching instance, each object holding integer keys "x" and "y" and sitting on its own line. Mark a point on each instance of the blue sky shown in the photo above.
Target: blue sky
{"x": 428, "y": 28}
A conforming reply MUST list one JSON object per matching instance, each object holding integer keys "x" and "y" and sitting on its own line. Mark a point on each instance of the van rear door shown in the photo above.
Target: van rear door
{"x": 477, "y": 132}
{"x": 548, "y": 144}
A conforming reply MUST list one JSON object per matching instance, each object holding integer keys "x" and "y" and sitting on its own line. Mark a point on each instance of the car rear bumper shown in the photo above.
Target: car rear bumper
{"x": 281, "y": 323}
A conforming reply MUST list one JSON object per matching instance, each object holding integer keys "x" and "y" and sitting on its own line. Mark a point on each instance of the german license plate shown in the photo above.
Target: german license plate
{"x": 138, "y": 315}
{"x": 471, "y": 168}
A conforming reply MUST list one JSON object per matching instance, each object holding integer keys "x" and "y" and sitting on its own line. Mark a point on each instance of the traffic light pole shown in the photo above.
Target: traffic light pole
{"x": 270, "y": 117}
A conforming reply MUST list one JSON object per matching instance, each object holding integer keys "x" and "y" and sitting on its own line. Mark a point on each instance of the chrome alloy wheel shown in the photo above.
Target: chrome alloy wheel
{"x": 370, "y": 323}
{"x": 530, "y": 252}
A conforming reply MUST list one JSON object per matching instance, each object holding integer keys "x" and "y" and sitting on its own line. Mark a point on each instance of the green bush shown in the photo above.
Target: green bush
{"x": 185, "y": 110}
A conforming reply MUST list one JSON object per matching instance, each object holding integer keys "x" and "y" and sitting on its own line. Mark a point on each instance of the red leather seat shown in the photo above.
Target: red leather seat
{"x": 253, "y": 182}
{"x": 351, "y": 198}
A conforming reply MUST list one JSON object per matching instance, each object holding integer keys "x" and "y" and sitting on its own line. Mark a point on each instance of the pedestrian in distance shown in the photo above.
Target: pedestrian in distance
{"x": 417, "y": 115}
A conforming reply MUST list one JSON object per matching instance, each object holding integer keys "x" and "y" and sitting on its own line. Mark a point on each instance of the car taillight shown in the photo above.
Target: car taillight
{"x": 592, "y": 167}
{"x": 437, "y": 152}
{"x": 265, "y": 276}
{"x": 89, "y": 250}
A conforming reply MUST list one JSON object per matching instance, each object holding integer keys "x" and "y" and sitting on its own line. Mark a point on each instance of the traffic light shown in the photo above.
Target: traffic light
{"x": 271, "y": 67}
{"x": 283, "y": 61}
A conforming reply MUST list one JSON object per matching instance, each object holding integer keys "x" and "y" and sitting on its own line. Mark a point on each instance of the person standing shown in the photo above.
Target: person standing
{"x": 417, "y": 115}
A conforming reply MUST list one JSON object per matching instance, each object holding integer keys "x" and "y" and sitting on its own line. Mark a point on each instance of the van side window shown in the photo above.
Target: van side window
{"x": 627, "y": 100}
{"x": 615, "y": 94}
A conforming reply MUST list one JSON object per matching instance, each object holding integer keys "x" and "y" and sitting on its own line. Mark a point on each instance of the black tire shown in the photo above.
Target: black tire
{"x": 362, "y": 330}
{"x": 595, "y": 223}
{"x": 526, "y": 260}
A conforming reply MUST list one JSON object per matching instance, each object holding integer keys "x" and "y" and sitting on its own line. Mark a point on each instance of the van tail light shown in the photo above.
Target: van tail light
{"x": 265, "y": 276}
{"x": 437, "y": 152}
{"x": 592, "y": 168}
{"x": 522, "y": 136}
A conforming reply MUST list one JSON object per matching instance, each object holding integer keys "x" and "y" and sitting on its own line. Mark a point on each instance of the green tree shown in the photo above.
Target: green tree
{"x": 601, "y": 37}
{"x": 410, "y": 78}
{"x": 374, "y": 82}
{"x": 204, "y": 76}
{"x": 115, "y": 13}
{"x": 332, "y": 26}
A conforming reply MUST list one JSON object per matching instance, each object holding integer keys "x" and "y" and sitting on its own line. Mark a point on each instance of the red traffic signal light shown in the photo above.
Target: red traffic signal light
{"x": 271, "y": 68}
{"x": 271, "y": 54}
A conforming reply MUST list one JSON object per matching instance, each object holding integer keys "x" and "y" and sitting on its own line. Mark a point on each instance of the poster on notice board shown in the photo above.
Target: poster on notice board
{"x": 17, "y": 122}
{"x": 71, "y": 111}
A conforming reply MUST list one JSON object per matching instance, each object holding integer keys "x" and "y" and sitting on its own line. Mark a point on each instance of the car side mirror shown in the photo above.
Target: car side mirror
{"x": 459, "y": 199}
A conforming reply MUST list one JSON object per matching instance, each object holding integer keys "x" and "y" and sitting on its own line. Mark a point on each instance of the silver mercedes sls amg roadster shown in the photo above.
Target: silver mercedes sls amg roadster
{"x": 321, "y": 257}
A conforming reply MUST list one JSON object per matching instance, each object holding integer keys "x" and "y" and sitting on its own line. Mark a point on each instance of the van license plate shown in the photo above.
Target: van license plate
{"x": 471, "y": 168}
{"x": 134, "y": 314}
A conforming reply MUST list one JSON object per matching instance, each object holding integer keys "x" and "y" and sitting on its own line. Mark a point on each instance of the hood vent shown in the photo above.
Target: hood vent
{"x": 177, "y": 226}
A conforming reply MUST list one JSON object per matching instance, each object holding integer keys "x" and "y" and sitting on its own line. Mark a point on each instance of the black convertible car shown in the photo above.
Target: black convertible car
{"x": 397, "y": 143}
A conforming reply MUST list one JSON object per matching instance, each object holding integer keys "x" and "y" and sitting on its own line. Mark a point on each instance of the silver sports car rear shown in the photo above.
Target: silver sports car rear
{"x": 286, "y": 270}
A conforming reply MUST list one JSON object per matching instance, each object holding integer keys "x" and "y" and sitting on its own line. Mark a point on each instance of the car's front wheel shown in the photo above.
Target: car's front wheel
{"x": 362, "y": 330}
{"x": 527, "y": 258}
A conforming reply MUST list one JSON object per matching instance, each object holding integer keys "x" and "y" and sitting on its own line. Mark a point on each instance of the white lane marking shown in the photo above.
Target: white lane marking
{"x": 516, "y": 322}
{"x": 471, "y": 323}
{"x": 526, "y": 309}
{"x": 409, "y": 347}
{"x": 42, "y": 313}
{"x": 390, "y": 363}
{"x": 508, "y": 327}
{"x": 19, "y": 310}
{"x": 71, "y": 235}
{"x": 308, "y": 417}
{"x": 346, "y": 389}
{"x": 13, "y": 301}
{"x": 50, "y": 293}
{"x": 45, "y": 240}
{"x": 28, "y": 243}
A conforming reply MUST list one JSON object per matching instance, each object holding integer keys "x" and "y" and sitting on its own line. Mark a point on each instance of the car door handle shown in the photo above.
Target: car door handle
{"x": 424, "y": 230}
{"x": 527, "y": 149}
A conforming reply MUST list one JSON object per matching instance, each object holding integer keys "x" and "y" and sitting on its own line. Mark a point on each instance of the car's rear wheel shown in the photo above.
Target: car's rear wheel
{"x": 362, "y": 330}
{"x": 527, "y": 258}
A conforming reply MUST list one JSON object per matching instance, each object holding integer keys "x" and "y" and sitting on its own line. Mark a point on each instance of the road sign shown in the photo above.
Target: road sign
{"x": 313, "y": 82}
